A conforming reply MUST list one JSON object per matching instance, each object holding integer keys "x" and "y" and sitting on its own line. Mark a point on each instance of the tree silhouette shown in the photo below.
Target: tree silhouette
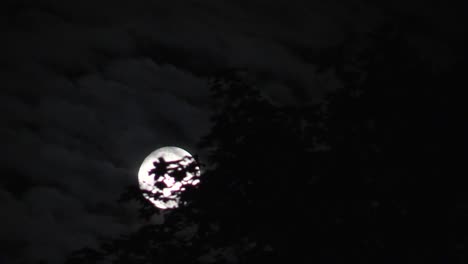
{"x": 351, "y": 178}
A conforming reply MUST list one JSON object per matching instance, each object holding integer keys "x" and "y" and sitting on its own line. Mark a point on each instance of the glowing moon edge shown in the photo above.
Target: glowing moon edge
{"x": 170, "y": 194}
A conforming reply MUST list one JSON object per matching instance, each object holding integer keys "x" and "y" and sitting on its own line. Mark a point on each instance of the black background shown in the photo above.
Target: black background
{"x": 332, "y": 131}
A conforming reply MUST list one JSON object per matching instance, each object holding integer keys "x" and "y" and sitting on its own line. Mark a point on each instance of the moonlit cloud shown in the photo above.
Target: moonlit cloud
{"x": 90, "y": 87}
{"x": 91, "y": 134}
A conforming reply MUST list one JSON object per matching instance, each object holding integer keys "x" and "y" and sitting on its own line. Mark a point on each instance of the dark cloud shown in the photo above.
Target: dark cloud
{"x": 90, "y": 88}
{"x": 70, "y": 154}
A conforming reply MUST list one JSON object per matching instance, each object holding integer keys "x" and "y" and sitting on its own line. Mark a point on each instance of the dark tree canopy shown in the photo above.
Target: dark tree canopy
{"x": 357, "y": 177}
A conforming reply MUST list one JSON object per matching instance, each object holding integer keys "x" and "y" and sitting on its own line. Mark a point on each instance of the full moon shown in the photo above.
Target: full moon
{"x": 165, "y": 174}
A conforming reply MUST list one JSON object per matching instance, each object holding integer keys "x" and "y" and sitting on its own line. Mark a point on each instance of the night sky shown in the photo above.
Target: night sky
{"x": 89, "y": 88}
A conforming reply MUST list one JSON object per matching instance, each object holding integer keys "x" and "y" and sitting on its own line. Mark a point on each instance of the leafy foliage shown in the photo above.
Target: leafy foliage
{"x": 350, "y": 179}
